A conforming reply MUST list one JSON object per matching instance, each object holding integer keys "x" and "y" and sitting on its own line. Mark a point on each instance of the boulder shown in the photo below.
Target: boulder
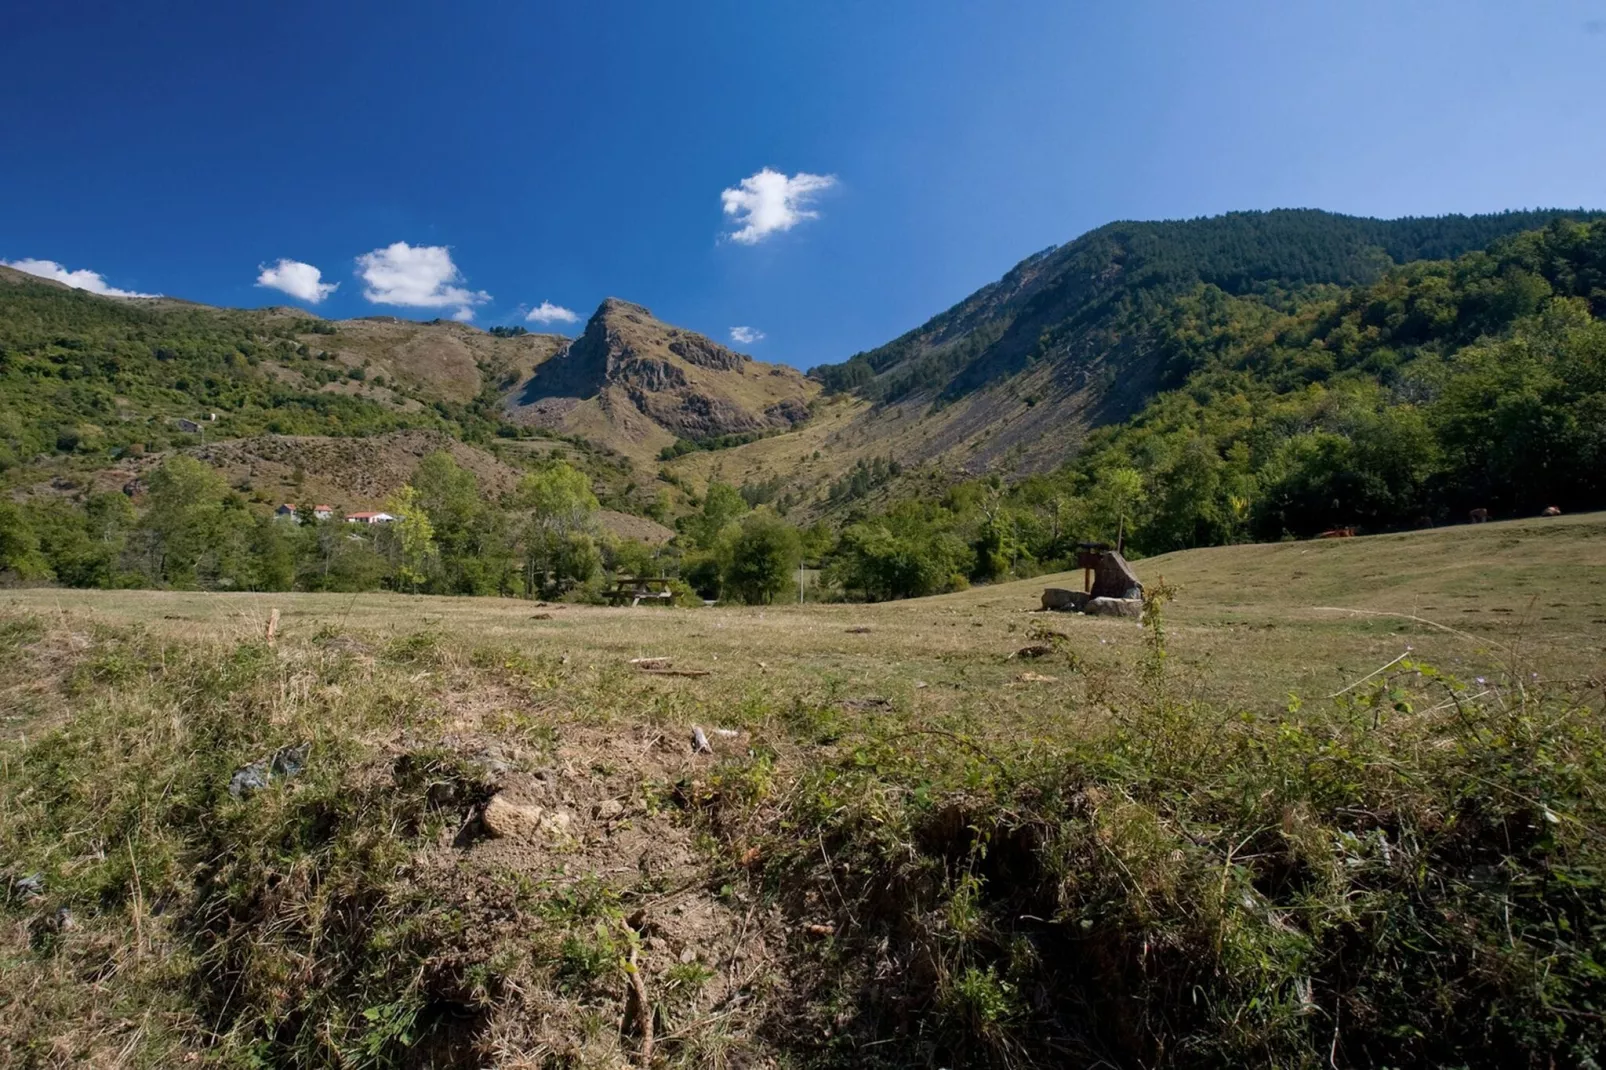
{"x": 1114, "y": 578}
{"x": 1063, "y": 600}
{"x": 1115, "y": 607}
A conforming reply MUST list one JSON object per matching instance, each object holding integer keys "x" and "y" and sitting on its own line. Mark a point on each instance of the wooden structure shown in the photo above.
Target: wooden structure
{"x": 638, "y": 589}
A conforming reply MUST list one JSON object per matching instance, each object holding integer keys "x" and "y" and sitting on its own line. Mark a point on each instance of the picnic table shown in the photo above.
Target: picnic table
{"x": 638, "y": 589}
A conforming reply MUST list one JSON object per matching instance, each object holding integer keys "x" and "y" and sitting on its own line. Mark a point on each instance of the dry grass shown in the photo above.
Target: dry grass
{"x": 1252, "y": 623}
{"x": 911, "y": 845}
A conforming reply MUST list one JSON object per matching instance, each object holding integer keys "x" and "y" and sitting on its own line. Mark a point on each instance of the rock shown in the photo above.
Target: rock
{"x": 608, "y": 809}
{"x": 699, "y": 742}
{"x": 283, "y": 763}
{"x": 1036, "y": 650}
{"x": 1063, "y": 600}
{"x": 508, "y": 818}
{"x": 30, "y": 887}
{"x": 1115, "y": 607}
{"x": 1037, "y": 678}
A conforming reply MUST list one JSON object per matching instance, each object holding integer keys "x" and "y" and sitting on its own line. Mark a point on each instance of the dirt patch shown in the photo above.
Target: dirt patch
{"x": 587, "y": 849}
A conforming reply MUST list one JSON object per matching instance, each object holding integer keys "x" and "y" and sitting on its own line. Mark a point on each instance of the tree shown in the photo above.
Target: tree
{"x": 459, "y": 523}
{"x": 759, "y": 562}
{"x": 559, "y": 503}
{"x": 20, "y": 558}
{"x": 722, "y": 504}
{"x": 184, "y": 523}
{"x": 273, "y": 559}
{"x": 411, "y": 539}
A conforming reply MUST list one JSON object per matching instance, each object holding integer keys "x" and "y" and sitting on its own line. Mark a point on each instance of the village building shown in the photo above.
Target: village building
{"x": 287, "y": 511}
{"x": 322, "y": 512}
{"x": 369, "y": 518}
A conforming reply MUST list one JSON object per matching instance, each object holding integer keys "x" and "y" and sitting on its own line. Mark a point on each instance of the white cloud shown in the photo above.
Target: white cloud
{"x": 769, "y": 202}
{"x": 547, "y": 312}
{"x": 82, "y": 279}
{"x": 301, "y": 281}
{"x": 746, "y": 335}
{"x": 416, "y": 276}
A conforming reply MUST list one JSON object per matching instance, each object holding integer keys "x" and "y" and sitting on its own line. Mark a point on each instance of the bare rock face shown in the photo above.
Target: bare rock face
{"x": 695, "y": 349}
{"x": 510, "y": 818}
{"x": 1115, "y": 607}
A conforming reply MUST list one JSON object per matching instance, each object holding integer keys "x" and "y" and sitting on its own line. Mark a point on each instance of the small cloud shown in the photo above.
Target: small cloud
{"x": 770, "y": 202}
{"x": 746, "y": 335}
{"x": 547, "y": 312}
{"x": 82, "y": 279}
{"x": 301, "y": 281}
{"x": 417, "y": 276}
{"x": 463, "y": 315}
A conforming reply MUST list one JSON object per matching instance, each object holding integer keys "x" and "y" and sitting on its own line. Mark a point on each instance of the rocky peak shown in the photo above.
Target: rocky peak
{"x": 685, "y": 383}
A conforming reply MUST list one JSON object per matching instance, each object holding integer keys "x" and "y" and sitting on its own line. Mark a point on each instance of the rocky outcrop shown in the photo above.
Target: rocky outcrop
{"x": 687, "y": 385}
{"x": 705, "y": 353}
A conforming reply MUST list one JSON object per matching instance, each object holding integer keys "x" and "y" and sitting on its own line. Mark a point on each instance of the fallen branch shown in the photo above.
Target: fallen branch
{"x": 676, "y": 672}
{"x": 643, "y": 1010}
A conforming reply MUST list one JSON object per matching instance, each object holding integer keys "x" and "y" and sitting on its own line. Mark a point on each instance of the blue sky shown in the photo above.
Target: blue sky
{"x": 486, "y": 158}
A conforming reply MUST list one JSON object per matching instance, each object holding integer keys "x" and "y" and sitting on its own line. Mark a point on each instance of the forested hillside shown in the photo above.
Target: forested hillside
{"x": 1085, "y": 296}
{"x": 1442, "y": 387}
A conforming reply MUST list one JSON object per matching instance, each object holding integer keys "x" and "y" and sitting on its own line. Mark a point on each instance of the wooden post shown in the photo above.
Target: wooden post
{"x": 273, "y": 625}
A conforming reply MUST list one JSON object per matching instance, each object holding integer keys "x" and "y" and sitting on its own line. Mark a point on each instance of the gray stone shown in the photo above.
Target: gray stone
{"x": 283, "y": 763}
{"x": 1063, "y": 600}
{"x": 1114, "y": 578}
{"x": 1115, "y": 607}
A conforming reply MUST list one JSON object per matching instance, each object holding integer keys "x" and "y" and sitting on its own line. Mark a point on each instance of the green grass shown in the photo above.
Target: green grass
{"x": 909, "y": 854}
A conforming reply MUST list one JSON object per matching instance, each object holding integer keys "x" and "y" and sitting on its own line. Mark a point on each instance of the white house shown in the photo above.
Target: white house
{"x": 322, "y": 512}
{"x": 369, "y": 518}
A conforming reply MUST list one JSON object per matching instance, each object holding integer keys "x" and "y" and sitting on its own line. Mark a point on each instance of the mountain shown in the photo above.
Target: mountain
{"x": 1014, "y": 376}
{"x": 642, "y": 385}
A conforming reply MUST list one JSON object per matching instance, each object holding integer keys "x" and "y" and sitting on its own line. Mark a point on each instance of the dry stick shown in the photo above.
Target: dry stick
{"x": 138, "y": 904}
{"x": 1401, "y": 616}
{"x": 273, "y": 624}
{"x": 1371, "y": 674}
{"x": 643, "y": 1010}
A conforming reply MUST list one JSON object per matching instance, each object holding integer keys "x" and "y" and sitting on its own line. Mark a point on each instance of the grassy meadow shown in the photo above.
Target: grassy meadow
{"x": 1332, "y": 803}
